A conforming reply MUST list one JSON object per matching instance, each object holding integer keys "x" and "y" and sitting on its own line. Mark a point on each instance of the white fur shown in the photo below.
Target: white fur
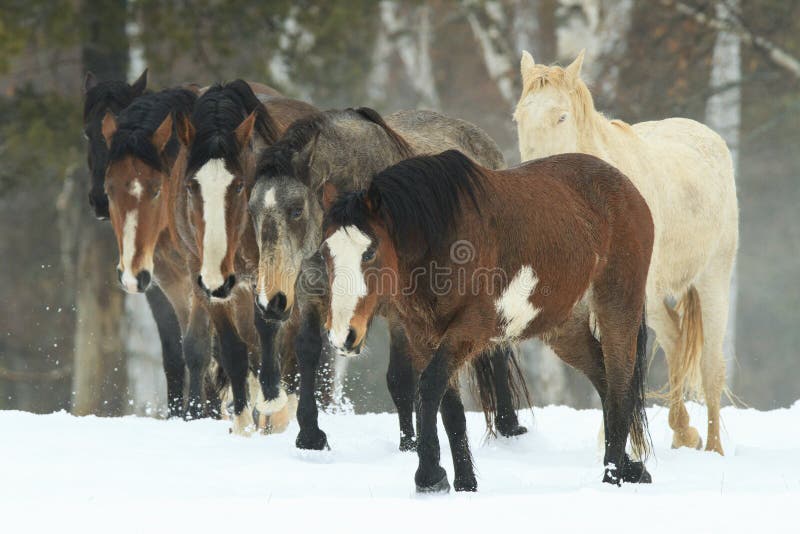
{"x": 129, "y": 281}
{"x": 270, "y": 407}
{"x": 346, "y": 246}
{"x": 136, "y": 189}
{"x": 214, "y": 180}
{"x": 514, "y": 306}
{"x": 269, "y": 198}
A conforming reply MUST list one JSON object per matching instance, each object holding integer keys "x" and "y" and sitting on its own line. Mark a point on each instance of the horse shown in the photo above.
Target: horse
{"x": 227, "y": 128}
{"x": 685, "y": 173}
{"x": 554, "y": 240}
{"x": 345, "y": 149}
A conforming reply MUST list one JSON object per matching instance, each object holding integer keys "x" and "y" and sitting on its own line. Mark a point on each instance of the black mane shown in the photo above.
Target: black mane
{"x": 137, "y": 123}
{"x": 216, "y": 116}
{"x": 276, "y": 160}
{"x": 373, "y": 116}
{"x": 419, "y": 199}
{"x": 111, "y": 96}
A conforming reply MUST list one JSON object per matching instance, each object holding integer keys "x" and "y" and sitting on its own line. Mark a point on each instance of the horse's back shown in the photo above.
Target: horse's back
{"x": 430, "y": 132}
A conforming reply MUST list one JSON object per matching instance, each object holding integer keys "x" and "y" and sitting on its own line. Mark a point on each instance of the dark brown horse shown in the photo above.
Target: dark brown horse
{"x": 228, "y": 126}
{"x": 346, "y": 148}
{"x": 553, "y": 241}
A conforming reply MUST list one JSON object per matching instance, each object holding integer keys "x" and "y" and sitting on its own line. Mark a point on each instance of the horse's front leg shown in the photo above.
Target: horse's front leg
{"x": 197, "y": 347}
{"x": 233, "y": 356}
{"x": 308, "y": 346}
{"x": 430, "y": 476}
{"x": 400, "y": 381}
{"x": 455, "y": 424}
{"x": 269, "y": 376}
{"x": 169, "y": 332}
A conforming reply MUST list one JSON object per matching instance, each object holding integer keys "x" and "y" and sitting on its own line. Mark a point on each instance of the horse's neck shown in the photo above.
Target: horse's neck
{"x": 176, "y": 201}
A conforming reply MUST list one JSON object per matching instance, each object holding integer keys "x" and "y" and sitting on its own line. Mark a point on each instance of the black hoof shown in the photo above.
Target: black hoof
{"x": 510, "y": 432}
{"x": 193, "y": 412}
{"x": 466, "y": 484}
{"x": 636, "y": 473}
{"x": 314, "y": 440}
{"x": 440, "y": 486}
{"x": 611, "y": 476}
{"x": 408, "y": 443}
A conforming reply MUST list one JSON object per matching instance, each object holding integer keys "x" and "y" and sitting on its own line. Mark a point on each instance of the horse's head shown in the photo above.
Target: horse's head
{"x": 135, "y": 184}
{"x": 99, "y": 99}
{"x": 217, "y": 201}
{"x": 362, "y": 264}
{"x": 551, "y": 111}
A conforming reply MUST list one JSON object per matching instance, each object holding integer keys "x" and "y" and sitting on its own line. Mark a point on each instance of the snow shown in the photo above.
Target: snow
{"x": 129, "y": 474}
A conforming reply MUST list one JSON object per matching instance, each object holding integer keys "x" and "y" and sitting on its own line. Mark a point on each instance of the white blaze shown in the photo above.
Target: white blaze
{"x": 346, "y": 247}
{"x": 514, "y": 305}
{"x": 136, "y": 189}
{"x": 214, "y": 180}
{"x": 269, "y": 198}
{"x": 128, "y": 250}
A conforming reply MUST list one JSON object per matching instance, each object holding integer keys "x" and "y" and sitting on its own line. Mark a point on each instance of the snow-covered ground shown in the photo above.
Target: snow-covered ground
{"x": 144, "y": 475}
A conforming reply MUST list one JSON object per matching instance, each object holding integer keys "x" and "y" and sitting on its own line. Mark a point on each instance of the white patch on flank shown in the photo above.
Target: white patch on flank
{"x": 514, "y": 305}
{"x": 214, "y": 180}
{"x": 269, "y": 198}
{"x": 346, "y": 246}
{"x": 136, "y": 189}
{"x": 128, "y": 249}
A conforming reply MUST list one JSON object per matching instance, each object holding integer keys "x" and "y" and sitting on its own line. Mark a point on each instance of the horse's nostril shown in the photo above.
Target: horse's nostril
{"x": 119, "y": 275}
{"x": 351, "y": 339}
{"x": 230, "y": 282}
{"x": 143, "y": 281}
{"x": 278, "y": 302}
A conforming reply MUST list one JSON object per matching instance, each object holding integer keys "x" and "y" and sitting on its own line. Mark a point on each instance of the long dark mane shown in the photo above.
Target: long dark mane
{"x": 419, "y": 199}
{"x": 216, "y": 116}
{"x": 137, "y": 123}
{"x": 277, "y": 160}
{"x": 110, "y": 95}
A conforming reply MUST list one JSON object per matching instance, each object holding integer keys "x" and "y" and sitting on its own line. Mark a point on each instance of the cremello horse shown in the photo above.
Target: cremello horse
{"x": 684, "y": 171}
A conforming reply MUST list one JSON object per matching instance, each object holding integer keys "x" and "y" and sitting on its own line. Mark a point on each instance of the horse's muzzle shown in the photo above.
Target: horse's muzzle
{"x": 275, "y": 309}
{"x": 223, "y": 291}
{"x": 99, "y": 204}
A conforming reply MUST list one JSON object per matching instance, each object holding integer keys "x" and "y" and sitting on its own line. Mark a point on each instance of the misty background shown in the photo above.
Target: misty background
{"x": 71, "y": 339}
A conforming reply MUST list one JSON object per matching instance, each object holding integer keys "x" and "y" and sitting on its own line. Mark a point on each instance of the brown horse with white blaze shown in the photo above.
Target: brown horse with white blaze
{"x": 554, "y": 241}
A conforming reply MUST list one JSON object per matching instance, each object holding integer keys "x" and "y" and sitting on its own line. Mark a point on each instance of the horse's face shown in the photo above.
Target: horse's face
{"x": 286, "y": 218}
{"x": 216, "y": 204}
{"x": 138, "y": 211}
{"x": 101, "y": 98}
{"x": 362, "y": 267}
{"x": 545, "y": 115}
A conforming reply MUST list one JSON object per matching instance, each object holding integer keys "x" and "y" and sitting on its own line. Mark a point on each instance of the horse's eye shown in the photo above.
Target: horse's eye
{"x": 296, "y": 213}
{"x": 368, "y": 255}
{"x": 562, "y": 118}
{"x": 239, "y": 186}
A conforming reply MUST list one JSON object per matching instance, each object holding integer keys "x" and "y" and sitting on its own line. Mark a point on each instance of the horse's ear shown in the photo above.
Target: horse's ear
{"x": 140, "y": 84}
{"x": 89, "y": 82}
{"x": 574, "y": 68}
{"x": 109, "y": 127}
{"x": 526, "y": 66}
{"x": 185, "y": 130}
{"x": 244, "y": 131}
{"x": 329, "y": 195}
{"x": 162, "y": 134}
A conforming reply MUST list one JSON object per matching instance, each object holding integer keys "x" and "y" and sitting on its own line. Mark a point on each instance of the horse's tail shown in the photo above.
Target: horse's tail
{"x": 639, "y": 433}
{"x": 686, "y": 377}
{"x": 483, "y": 375}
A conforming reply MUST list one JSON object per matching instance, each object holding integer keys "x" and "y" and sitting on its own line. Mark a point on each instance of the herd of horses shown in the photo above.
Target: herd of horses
{"x": 266, "y": 233}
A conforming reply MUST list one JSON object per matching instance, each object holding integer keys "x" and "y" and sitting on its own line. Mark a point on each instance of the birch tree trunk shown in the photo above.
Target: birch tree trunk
{"x": 100, "y": 380}
{"x": 724, "y": 115}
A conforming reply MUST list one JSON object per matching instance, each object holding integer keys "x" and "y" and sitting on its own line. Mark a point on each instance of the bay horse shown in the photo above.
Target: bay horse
{"x": 684, "y": 171}
{"x": 554, "y": 240}
{"x": 227, "y": 128}
{"x": 345, "y": 149}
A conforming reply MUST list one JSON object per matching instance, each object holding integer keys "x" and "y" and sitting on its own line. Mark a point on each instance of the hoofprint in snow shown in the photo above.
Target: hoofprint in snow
{"x": 129, "y": 474}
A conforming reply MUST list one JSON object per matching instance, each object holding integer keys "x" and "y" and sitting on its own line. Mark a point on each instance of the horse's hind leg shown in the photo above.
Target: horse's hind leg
{"x": 668, "y": 336}
{"x": 507, "y": 422}
{"x": 233, "y": 356}
{"x": 169, "y": 332}
{"x": 400, "y": 381}
{"x": 713, "y": 288}
{"x": 455, "y": 424}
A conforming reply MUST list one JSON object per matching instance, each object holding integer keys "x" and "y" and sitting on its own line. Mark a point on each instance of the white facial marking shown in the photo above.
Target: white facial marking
{"x": 514, "y": 305}
{"x": 128, "y": 250}
{"x": 346, "y": 247}
{"x": 269, "y": 198}
{"x": 136, "y": 189}
{"x": 214, "y": 180}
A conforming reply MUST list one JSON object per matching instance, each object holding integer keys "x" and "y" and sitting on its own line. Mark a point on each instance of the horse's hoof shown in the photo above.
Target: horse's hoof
{"x": 611, "y": 476}
{"x": 465, "y": 483}
{"x": 313, "y": 439}
{"x": 408, "y": 443}
{"x": 636, "y": 473}
{"x": 440, "y": 486}
{"x": 512, "y": 431}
